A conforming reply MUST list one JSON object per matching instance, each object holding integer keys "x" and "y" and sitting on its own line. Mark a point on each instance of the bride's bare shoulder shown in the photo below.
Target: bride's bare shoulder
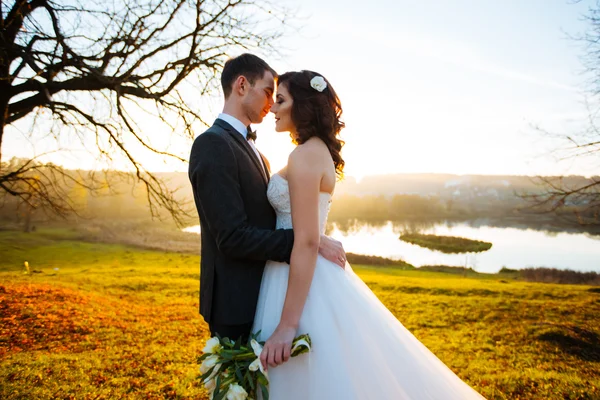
{"x": 312, "y": 162}
{"x": 313, "y": 150}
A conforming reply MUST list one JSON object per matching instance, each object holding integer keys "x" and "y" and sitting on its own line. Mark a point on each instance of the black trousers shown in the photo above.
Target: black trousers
{"x": 233, "y": 332}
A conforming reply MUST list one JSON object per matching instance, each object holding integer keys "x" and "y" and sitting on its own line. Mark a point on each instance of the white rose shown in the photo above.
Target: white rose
{"x": 318, "y": 83}
{"x": 212, "y": 346}
{"x": 236, "y": 392}
{"x": 208, "y": 363}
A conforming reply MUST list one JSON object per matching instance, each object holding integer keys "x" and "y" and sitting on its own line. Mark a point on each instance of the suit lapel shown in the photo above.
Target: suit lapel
{"x": 245, "y": 145}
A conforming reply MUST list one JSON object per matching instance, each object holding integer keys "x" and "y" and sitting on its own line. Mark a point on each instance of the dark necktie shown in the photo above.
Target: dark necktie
{"x": 251, "y": 134}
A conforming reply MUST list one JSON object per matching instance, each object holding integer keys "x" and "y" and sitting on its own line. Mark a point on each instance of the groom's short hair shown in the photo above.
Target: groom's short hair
{"x": 248, "y": 65}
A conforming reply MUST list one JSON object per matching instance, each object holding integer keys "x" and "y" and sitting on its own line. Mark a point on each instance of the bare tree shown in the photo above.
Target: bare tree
{"x": 575, "y": 196}
{"x": 93, "y": 69}
{"x": 567, "y": 197}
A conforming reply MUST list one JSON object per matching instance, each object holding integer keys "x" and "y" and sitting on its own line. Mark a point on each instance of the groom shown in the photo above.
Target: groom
{"x": 229, "y": 178}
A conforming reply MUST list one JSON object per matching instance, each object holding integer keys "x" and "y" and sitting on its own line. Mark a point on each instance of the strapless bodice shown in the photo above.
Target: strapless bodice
{"x": 278, "y": 193}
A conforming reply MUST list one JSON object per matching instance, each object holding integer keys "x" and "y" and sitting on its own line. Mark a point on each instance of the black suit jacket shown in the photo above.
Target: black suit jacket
{"x": 237, "y": 224}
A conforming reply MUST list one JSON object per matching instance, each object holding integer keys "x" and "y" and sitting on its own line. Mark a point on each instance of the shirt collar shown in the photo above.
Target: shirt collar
{"x": 236, "y": 123}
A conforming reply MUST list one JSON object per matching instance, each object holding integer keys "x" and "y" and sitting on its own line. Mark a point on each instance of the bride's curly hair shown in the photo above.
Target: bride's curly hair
{"x": 315, "y": 113}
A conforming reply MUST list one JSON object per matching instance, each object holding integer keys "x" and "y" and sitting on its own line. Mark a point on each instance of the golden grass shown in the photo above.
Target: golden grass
{"x": 100, "y": 321}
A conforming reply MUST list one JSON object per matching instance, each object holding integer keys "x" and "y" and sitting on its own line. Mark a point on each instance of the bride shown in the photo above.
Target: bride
{"x": 359, "y": 349}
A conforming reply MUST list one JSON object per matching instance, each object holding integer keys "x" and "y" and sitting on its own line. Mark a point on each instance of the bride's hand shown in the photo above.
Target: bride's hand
{"x": 278, "y": 347}
{"x": 332, "y": 250}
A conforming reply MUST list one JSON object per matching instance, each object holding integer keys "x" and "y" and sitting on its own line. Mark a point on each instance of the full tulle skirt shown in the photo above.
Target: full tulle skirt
{"x": 360, "y": 349}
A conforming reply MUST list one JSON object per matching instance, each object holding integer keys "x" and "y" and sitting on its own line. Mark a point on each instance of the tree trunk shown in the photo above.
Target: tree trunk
{"x": 4, "y": 90}
{"x": 3, "y": 117}
{"x": 27, "y": 227}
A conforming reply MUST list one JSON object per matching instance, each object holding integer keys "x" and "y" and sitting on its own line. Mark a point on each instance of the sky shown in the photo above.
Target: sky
{"x": 433, "y": 86}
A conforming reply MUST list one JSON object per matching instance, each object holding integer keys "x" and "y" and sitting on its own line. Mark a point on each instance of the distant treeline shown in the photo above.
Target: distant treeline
{"x": 118, "y": 196}
{"x": 124, "y": 197}
{"x": 508, "y": 211}
{"x": 361, "y": 259}
{"x": 412, "y": 206}
{"x": 553, "y": 275}
{"x": 541, "y": 274}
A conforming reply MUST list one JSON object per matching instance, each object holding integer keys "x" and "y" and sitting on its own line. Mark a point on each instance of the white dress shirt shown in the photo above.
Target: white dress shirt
{"x": 243, "y": 130}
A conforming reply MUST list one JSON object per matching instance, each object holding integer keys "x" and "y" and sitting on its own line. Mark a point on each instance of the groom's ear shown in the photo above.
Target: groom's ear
{"x": 241, "y": 85}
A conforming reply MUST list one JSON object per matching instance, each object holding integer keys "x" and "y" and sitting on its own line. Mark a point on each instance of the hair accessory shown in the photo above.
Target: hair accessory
{"x": 318, "y": 83}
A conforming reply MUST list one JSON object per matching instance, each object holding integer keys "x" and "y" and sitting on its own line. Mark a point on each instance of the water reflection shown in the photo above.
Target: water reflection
{"x": 399, "y": 227}
{"x": 514, "y": 247}
{"x": 420, "y": 226}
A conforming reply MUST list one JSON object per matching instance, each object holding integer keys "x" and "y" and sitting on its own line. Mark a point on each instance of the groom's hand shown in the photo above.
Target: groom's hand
{"x": 278, "y": 348}
{"x": 332, "y": 250}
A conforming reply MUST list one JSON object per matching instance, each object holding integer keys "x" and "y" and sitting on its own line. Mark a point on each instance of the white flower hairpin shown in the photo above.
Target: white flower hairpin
{"x": 318, "y": 83}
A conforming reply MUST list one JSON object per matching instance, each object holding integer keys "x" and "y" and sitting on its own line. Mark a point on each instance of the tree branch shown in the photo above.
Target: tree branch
{"x": 89, "y": 62}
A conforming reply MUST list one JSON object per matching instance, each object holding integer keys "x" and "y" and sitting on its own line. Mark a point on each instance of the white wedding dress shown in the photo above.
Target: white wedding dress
{"x": 360, "y": 350}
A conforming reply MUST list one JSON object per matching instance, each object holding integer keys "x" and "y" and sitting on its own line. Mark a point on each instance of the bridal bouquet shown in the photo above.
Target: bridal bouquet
{"x": 232, "y": 371}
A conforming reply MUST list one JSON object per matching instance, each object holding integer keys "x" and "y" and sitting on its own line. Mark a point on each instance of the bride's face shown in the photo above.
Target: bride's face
{"x": 283, "y": 111}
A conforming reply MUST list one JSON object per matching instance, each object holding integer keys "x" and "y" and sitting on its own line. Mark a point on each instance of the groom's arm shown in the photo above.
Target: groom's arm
{"x": 213, "y": 173}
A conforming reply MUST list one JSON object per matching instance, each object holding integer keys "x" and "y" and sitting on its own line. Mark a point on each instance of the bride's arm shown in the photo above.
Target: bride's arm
{"x": 304, "y": 176}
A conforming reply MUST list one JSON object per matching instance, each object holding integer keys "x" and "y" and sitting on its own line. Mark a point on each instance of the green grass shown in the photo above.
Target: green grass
{"x": 120, "y": 322}
{"x": 446, "y": 244}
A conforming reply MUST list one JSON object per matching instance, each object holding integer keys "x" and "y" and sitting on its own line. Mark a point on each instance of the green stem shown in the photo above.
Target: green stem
{"x": 228, "y": 381}
{"x": 243, "y": 356}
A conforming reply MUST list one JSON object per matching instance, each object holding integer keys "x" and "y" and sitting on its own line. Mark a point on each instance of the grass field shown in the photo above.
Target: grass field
{"x": 102, "y": 321}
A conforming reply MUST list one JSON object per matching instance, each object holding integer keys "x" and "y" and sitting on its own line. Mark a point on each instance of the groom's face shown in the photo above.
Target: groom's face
{"x": 258, "y": 98}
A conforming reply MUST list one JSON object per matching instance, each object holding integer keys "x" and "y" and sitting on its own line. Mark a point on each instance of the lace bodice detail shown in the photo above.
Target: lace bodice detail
{"x": 278, "y": 194}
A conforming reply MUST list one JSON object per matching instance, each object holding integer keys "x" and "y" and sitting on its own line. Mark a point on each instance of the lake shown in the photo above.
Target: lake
{"x": 513, "y": 248}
